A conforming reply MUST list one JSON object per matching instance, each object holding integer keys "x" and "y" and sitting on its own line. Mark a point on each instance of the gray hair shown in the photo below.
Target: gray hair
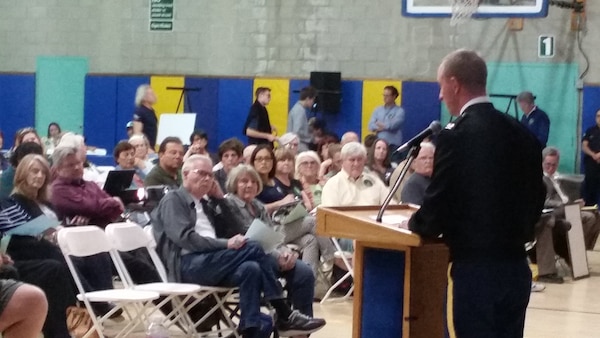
{"x": 61, "y": 152}
{"x": 71, "y": 140}
{"x": 307, "y": 154}
{"x": 240, "y": 170}
{"x": 287, "y": 138}
{"x": 189, "y": 163}
{"x": 427, "y": 145}
{"x": 140, "y": 93}
{"x": 353, "y": 149}
{"x": 137, "y": 137}
{"x": 526, "y": 97}
{"x": 550, "y": 151}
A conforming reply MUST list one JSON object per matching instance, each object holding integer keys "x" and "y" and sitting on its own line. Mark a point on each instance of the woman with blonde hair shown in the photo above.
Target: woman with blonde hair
{"x": 36, "y": 255}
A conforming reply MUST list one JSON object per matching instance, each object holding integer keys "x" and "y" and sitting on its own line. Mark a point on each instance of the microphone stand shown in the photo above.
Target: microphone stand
{"x": 412, "y": 154}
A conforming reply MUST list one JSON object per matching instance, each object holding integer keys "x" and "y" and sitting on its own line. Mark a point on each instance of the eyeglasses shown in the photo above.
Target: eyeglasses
{"x": 203, "y": 174}
{"x": 308, "y": 163}
{"x": 263, "y": 159}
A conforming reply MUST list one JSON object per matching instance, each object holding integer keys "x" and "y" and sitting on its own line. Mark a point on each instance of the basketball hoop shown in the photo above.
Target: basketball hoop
{"x": 462, "y": 10}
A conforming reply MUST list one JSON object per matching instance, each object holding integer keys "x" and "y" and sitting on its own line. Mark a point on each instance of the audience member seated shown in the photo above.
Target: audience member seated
{"x": 243, "y": 185}
{"x": 333, "y": 164}
{"x": 37, "y": 257}
{"x": 230, "y": 154}
{"x": 415, "y": 186}
{"x": 8, "y": 175}
{"x": 352, "y": 186}
{"x": 323, "y": 146}
{"x": 144, "y": 159}
{"x": 24, "y": 135}
{"x": 90, "y": 171}
{"x": 247, "y": 154}
{"x": 167, "y": 171}
{"x": 289, "y": 141}
{"x": 53, "y": 137}
{"x": 307, "y": 172}
{"x": 198, "y": 145}
{"x": 23, "y": 309}
{"x": 348, "y": 137}
{"x": 278, "y": 190}
{"x": 556, "y": 200}
{"x": 124, "y": 155}
{"x": 379, "y": 161}
{"x": 4, "y": 164}
{"x": 185, "y": 225}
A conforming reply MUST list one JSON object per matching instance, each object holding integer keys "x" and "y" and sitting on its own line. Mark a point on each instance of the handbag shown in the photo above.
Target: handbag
{"x": 289, "y": 213}
{"x": 79, "y": 322}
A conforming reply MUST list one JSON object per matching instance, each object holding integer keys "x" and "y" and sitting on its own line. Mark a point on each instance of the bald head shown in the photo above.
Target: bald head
{"x": 348, "y": 137}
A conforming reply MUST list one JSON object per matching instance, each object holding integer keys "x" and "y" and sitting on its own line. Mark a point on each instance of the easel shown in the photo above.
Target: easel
{"x": 184, "y": 97}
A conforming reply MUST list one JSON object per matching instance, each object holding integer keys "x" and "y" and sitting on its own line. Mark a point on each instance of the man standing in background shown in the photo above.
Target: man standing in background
{"x": 387, "y": 120}
{"x": 258, "y": 128}
{"x": 144, "y": 117}
{"x": 297, "y": 121}
{"x": 535, "y": 119}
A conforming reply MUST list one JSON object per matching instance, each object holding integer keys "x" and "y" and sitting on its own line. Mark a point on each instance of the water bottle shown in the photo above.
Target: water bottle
{"x": 156, "y": 329}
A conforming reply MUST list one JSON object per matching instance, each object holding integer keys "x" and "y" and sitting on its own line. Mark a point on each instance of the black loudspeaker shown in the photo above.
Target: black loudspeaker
{"x": 329, "y": 87}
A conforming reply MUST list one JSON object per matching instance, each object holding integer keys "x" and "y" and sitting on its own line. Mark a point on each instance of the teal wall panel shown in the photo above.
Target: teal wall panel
{"x": 60, "y": 92}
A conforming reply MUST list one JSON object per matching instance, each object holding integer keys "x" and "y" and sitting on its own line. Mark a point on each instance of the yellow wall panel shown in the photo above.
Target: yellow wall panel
{"x": 167, "y": 99}
{"x": 372, "y": 97}
{"x": 280, "y": 97}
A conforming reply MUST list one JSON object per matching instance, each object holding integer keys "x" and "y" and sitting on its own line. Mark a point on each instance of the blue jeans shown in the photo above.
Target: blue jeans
{"x": 248, "y": 268}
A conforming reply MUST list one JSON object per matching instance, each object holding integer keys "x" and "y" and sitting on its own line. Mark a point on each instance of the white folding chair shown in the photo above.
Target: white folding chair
{"x": 130, "y": 236}
{"x": 83, "y": 241}
{"x": 346, "y": 257}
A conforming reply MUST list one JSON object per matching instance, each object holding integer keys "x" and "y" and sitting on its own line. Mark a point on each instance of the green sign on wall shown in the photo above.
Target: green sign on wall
{"x": 161, "y": 15}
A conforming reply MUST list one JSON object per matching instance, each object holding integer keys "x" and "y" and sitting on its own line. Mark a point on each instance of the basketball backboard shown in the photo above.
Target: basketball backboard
{"x": 486, "y": 9}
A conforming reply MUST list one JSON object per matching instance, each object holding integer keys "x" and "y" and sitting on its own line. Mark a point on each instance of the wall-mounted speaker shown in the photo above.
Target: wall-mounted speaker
{"x": 329, "y": 87}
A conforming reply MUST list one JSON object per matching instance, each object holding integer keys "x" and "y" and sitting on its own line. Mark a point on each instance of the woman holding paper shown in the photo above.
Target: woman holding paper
{"x": 29, "y": 238}
{"x": 243, "y": 184}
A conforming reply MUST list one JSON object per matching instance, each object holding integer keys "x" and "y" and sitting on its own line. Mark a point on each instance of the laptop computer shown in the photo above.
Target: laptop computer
{"x": 117, "y": 184}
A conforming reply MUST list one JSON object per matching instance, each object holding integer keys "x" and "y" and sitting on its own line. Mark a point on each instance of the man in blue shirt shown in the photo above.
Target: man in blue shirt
{"x": 297, "y": 121}
{"x": 387, "y": 120}
{"x": 535, "y": 119}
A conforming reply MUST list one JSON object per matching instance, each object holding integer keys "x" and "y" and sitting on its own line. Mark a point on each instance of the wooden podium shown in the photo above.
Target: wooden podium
{"x": 400, "y": 279}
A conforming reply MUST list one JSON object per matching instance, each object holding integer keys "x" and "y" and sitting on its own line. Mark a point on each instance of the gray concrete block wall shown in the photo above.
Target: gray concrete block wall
{"x": 288, "y": 38}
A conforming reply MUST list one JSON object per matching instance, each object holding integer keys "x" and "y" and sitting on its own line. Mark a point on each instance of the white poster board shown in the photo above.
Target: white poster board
{"x": 579, "y": 262}
{"x": 178, "y": 125}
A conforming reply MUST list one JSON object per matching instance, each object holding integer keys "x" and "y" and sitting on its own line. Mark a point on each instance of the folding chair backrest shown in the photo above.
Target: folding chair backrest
{"x": 83, "y": 241}
{"x": 126, "y": 236}
{"x": 158, "y": 264}
{"x": 130, "y": 236}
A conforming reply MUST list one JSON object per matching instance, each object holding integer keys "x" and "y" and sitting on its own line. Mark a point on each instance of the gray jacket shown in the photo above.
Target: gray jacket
{"x": 173, "y": 222}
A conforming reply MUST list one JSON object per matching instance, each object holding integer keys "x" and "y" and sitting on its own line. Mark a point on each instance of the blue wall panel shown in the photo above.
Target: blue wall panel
{"x": 205, "y": 104}
{"x": 235, "y": 98}
{"x": 17, "y": 105}
{"x": 349, "y": 117}
{"x": 126, "y": 87}
{"x": 99, "y": 118}
{"x": 421, "y": 105}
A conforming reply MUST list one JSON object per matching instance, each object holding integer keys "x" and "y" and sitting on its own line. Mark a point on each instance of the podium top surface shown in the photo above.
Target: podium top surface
{"x": 360, "y": 223}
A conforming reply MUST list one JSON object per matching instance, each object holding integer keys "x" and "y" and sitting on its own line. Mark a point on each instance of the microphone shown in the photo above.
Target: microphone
{"x": 434, "y": 128}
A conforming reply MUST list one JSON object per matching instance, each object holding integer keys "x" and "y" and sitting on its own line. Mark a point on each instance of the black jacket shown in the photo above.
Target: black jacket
{"x": 487, "y": 189}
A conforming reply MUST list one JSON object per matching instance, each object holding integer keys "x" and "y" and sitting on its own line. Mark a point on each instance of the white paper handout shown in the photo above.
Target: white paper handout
{"x": 268, "y": 238}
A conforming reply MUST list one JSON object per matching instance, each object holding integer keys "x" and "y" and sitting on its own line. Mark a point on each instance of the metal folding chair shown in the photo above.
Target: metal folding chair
{"x": 83, "y": 241}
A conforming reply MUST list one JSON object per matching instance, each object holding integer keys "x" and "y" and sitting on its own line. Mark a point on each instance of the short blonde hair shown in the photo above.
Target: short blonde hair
{"x": 240, "y": 170}
{"x": 23, "y": 170}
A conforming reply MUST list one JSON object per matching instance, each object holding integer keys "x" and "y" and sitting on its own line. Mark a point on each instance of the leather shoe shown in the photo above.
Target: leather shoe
{"x": 550, "y": 279}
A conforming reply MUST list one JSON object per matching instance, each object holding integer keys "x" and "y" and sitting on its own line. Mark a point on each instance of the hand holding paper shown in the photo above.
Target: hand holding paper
{"x": 268, "y": 238}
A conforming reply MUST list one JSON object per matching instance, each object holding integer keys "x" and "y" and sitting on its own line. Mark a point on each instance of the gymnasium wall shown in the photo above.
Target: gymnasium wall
{"x": 229, "y": 47}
